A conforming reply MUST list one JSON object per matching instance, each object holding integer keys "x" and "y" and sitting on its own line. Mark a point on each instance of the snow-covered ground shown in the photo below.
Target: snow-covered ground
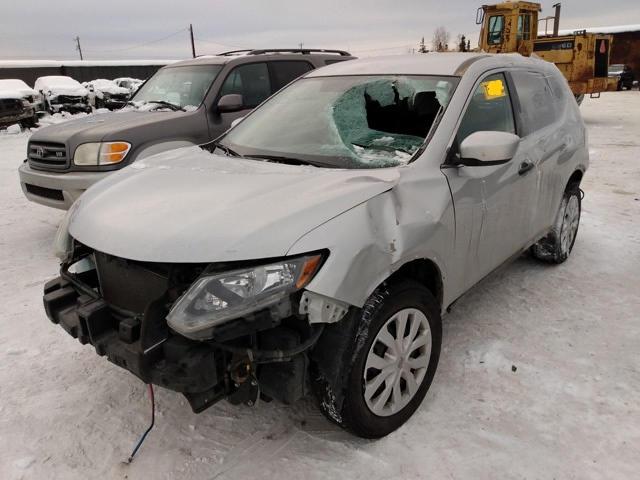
{"x": 539, "y": 375}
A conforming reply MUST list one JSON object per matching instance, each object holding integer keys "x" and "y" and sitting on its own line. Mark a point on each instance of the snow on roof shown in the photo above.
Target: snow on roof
{"x": 433, "y": 63}
{"x": 613, "y": 29}
{"x": 411, "y": 64}
{"x": 81, "y": 63}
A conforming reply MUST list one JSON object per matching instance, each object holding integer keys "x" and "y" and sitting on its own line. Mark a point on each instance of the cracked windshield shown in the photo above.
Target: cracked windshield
{"x": 345, "y": 122}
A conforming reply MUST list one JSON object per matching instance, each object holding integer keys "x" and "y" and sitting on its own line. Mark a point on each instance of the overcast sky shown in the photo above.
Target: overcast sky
{"x": 146, "y": 29}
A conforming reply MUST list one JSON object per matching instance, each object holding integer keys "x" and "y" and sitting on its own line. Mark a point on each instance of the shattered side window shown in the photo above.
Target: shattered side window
{"x": 346, "y": 122}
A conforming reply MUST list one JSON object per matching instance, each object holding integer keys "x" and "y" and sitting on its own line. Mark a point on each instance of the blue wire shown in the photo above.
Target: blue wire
{"x": 153, "y": 421}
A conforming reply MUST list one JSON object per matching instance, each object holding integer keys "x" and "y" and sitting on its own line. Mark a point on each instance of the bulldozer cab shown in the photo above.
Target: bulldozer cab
{"x": 508, "y": 27}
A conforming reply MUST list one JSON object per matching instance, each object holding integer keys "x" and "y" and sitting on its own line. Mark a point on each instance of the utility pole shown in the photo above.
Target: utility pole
{"x": 300, "y": 45}
{"x": 77, "y": 39}
{"x": 193, "y": 45}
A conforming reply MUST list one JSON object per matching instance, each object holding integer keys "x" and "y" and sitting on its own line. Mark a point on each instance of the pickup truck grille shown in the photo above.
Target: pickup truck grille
{"x": 64, "y": 99}
{"x": 10, "y": 106}
{"x": 48, "y": 156}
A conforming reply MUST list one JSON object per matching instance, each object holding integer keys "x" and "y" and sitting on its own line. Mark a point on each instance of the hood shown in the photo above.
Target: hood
{"x": 11, "y": 95}
{"x": 107, "y": 86}
{"x": 94, "y": 128}
{"x": 71, "y": 91}
{"x": 189, "y": 205}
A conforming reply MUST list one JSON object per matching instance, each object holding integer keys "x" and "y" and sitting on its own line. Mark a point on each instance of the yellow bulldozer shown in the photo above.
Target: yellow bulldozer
{"x": 583, "y": 58}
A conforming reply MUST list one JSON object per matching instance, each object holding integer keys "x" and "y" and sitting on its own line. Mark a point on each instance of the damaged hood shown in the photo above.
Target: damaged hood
{"x": 189, "y": 205}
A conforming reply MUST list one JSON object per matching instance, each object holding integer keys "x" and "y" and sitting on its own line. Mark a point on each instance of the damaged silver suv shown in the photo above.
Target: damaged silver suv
{"x": 315, "y": 246}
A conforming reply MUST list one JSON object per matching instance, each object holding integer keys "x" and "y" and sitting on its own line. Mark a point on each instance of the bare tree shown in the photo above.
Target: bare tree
{"x": 440, "y": 42}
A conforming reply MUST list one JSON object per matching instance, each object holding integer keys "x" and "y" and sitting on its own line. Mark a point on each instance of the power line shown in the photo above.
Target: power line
{"x": 132, "y": 47}
{"x": 219, "y": 43}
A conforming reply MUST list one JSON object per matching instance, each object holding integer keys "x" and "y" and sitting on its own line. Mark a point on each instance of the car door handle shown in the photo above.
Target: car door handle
{"x": 525, "y": 167}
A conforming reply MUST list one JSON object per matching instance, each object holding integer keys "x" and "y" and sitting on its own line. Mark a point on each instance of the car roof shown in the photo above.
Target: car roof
{"x": 433, "y": 63}
{"x": 242, "y": 56}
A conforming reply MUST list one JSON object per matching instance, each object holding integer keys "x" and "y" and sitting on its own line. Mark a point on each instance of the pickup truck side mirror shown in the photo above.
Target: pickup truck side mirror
{"x": 488, "y": 148}
{"x": 231, "y": 103}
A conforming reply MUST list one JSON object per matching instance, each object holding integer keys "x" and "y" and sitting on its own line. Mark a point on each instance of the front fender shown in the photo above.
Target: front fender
{"x": 371, "y": 241}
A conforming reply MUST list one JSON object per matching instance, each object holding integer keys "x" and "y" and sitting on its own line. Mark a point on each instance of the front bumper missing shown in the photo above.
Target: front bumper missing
{"x": 194, "y": 369}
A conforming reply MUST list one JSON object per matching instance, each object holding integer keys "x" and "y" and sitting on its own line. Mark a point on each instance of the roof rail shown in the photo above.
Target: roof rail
{"x": 234, "y": 52}
{"x": 303, "y": 51}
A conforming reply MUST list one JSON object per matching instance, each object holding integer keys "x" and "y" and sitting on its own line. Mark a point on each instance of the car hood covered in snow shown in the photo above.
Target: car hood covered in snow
{"x": 55, "y": 90}
{"x": 188, "y": 205}
{"x": 108, "y": 86}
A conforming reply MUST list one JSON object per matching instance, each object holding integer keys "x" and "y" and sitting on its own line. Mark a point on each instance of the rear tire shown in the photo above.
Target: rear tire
{"x": 557, "y": 245}
{"x": 391, "y": 366}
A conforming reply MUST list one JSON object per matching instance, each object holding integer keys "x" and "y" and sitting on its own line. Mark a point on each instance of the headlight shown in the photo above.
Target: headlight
{"x": 217, "y": 298}
{"x": 101, "y": 153}
{"x": 26, "y": 103}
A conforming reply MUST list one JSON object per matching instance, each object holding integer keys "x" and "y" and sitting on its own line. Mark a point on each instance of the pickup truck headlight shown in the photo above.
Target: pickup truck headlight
{"x": 106, "y": 153}
{"x": 220, "y": 297}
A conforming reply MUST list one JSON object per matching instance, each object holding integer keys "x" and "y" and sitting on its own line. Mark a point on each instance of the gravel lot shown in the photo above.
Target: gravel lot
{"x": 539, "y": 375}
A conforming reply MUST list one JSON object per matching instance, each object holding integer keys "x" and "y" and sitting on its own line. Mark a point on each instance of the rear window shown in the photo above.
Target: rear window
{"x": 536, "y": 100}
{"x": 284, "y": 72}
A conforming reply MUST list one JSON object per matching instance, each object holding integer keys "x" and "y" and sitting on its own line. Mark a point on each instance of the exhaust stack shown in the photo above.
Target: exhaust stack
{"x": 556, "y": 19}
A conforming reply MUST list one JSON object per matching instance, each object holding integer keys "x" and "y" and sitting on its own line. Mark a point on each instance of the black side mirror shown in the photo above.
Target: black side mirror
{"x": 231, "y": 103}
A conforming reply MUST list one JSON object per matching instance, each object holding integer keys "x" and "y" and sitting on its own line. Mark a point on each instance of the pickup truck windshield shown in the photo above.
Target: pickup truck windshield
{"x": 181, "y": 86}
{"x": 344, "y": 122}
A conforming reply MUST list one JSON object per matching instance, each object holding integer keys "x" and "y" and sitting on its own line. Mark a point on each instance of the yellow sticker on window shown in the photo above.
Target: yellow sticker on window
{"x": 493, "y": 89}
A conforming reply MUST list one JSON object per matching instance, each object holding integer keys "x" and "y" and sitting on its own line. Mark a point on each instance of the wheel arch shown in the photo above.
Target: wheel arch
{"x": 424, "y": 271}
{"x": 575, "y": 178}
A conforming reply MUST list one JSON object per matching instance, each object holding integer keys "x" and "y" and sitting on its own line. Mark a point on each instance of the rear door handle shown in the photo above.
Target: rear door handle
{"x": 525, "y": 167}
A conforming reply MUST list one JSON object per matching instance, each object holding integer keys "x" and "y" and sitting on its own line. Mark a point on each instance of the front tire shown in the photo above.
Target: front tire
{"x": 557, "y": 245}
{"x": 395, "y": 356}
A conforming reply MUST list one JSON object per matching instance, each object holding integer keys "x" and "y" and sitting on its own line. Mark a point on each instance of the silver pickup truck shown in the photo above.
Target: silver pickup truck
{"x": 315, "y": 245}
{"x": 184, "y": 104}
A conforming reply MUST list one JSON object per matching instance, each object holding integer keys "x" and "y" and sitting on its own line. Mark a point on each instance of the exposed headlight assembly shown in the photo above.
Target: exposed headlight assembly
{"x": 107, "y": 153}
{"x": 220, "y": 297}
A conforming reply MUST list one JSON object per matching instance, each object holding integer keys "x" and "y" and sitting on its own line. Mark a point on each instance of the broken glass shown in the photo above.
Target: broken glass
{"x": 345, "y": 122}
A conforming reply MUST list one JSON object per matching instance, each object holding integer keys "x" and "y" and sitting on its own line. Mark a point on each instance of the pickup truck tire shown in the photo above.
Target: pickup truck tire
{"x": 557, "y": 245}
{"x": 389, "y": 372}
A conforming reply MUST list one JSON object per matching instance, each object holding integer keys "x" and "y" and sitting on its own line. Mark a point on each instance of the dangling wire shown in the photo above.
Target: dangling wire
{"x": 153, "y": 421}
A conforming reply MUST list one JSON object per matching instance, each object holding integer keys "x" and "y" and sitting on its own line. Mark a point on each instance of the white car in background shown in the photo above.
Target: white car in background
{"x": 105, "y": 93}
{"x": 62, "y": 93}
{"x": 25, "y": 91}
{"x": 132, "y": 84}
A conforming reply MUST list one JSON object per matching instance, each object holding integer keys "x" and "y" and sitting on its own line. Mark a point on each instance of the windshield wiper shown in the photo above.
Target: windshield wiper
{"x": 228, "y": 151}
{"x": 282, "y": 159}
{"x": 386, "y": 148}
{"x": 170, "y": 105}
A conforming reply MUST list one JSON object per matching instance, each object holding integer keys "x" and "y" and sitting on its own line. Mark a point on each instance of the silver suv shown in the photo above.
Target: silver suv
{"x": 182, "y": 104}
{"x": 315, "y": 246}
